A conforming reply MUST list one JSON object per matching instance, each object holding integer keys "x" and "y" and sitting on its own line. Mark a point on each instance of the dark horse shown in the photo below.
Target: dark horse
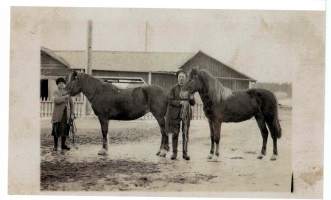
{"x": 109, "y": 102}
{"x": 220, "y": 104}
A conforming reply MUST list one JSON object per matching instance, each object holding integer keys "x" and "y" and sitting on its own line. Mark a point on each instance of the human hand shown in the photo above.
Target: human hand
{"x": 66, "y": 96}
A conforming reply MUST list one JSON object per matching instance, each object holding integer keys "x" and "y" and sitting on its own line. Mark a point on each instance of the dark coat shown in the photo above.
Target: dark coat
{"x": 60, "y": 103}
{"x": 174, "y": 109}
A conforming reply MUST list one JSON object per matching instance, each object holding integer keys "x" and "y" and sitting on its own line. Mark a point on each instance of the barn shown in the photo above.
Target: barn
{"x": 52, "y": 67}
{"x": 156, "y": 68}
{"x": 228, "y": 76}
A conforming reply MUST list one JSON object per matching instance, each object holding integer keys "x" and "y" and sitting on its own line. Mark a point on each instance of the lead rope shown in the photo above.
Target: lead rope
{"x": 73, "y": 129}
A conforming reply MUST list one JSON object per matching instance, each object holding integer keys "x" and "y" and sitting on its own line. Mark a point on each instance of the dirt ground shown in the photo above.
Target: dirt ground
{"x": 133, "y": 166}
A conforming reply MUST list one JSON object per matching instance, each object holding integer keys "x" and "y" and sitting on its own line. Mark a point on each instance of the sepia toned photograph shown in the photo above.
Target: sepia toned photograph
{"x": 168, "y": 102}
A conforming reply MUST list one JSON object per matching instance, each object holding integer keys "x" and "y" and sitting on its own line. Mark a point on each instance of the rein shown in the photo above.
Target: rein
{"x": 72, "y": 128}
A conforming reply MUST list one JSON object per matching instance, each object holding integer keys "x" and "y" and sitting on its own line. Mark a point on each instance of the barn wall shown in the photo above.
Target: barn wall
{"x": 213, "y": 66}
{"x": 143, "y": 75}
{"x": 165, "y": 81}
{"x": 52, "y": 67}
{"x": 242, "y": 85}
{"x": 235, "y": 84}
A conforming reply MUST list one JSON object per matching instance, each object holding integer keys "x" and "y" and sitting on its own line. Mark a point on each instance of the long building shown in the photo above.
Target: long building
{"x": 157, "y": 68}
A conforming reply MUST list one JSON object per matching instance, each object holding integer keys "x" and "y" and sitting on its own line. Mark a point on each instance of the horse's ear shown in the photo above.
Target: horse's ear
{"x": 194, "y": 71}
{"x": 74, "y": 74}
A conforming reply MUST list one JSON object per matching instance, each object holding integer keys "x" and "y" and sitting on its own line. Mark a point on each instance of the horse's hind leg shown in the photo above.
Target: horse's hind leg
{"x": 264, "y": 132}
{"x": 273, "y": 133}
{"x": 164, "y": 147}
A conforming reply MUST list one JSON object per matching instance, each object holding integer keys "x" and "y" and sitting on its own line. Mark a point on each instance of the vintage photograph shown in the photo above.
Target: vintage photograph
{"x": 179, "y": 101}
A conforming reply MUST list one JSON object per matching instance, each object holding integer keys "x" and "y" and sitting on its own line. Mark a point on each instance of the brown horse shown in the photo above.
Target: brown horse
{"x": 111, "y": 103}
{"x": 220, "y": 104}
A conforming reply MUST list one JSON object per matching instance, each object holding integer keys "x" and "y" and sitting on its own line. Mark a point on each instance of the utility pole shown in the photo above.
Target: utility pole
{"x": 88, "y": 68}
{"x": 146, "y": 49}
{"x": 89, "y": 48}
{"x": 146, "y": 35}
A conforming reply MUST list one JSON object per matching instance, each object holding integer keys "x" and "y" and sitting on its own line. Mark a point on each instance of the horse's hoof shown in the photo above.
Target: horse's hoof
{"x": 103, "y": 152}
{"x": 210, "y": 156}
{"x": 173, "y": 156}
{"x": 260, "y": 156}
{"x": 215, "y": 158}
{"x": 186, "y": 157}
{"x": 162, "y": 153}
{"x": 273, "y": 157}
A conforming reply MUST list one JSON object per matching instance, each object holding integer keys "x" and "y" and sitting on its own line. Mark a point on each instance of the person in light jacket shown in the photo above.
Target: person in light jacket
{"x": 179, "y": 112}
{"x": 63, "y": 110}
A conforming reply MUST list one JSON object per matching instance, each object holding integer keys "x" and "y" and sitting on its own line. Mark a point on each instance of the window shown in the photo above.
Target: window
{"x": 44, "y": 88}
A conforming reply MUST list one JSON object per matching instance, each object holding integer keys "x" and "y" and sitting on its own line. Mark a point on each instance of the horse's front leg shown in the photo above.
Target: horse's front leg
{"x": 217, "y": 137}
{"x": 212, "y": 146}
{"x": 104, "y": 129}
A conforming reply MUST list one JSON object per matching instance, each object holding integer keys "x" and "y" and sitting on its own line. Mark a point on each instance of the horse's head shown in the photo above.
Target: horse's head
{"x": 194, "y": 83}
{"x": 73, "y": 83}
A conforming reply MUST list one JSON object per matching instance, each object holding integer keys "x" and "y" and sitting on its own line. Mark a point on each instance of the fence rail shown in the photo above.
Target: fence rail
{"x": 47, "y": 105}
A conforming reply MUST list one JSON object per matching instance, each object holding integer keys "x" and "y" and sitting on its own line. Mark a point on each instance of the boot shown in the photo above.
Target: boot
{"x": 174, "y": 146}
{"x": 55, "y": 143}
{"x": 186, "y": 157}
{"x": 63, "y": 143}
{"x": 174, "y": 156}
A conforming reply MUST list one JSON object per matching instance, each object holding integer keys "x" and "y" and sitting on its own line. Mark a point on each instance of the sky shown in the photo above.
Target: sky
{"x": 266, "y": 45}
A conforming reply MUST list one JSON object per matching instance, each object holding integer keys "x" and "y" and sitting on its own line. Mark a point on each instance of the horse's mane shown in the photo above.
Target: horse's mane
{"x": 214, "y": 87}
{"x": 95, "y": 85}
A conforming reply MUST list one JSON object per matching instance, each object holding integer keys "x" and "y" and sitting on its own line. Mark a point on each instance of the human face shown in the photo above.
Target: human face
{"x": 61, "y": 85}
{"x": 181, "y": 78}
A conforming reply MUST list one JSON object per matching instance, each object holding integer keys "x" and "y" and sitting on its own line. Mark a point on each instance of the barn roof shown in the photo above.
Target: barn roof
{"x": 127, "y": 61}
{"x": 55, "y": 56}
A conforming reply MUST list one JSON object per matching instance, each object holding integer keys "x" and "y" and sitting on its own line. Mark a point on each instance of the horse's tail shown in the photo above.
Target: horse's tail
{"x": 269, "y": 108}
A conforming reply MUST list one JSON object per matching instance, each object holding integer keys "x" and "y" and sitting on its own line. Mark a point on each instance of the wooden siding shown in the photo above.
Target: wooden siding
{"x": 218, "y": 69}
{"x": 213, "y": 66}
{"x": 235, "y": 84}
{"x": 52, "y": 67}
{"x": 165, "y": 81}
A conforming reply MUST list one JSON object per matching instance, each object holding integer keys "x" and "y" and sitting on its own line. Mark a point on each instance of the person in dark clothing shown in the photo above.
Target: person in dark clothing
{"x": 63, "y": 110}
{"x": 179, "y": 113}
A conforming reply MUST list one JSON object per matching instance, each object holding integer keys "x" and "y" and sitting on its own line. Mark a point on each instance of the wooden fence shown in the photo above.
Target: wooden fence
{"x": 47, "y": 105}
